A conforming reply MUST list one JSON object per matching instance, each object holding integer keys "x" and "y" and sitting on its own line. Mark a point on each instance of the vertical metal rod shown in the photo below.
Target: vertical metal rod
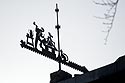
{"x": 57, "y": 10}
{"x": 58, "y": 27}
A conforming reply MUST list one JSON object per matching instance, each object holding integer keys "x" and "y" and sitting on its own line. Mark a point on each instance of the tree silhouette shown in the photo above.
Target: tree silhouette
{"x": 109, "y": 15}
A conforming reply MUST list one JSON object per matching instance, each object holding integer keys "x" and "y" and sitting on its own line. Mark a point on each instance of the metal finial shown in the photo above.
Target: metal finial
{"x": 57, "y": 10}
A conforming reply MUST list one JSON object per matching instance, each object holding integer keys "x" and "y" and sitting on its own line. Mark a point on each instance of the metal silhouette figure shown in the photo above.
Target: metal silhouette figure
{"x": 43, "y": 42}
{"x": 39, "y": 34}
{"x": 51, "y": 43}
{"x": 30, "y": 36}
{"x": 48, "y": 43}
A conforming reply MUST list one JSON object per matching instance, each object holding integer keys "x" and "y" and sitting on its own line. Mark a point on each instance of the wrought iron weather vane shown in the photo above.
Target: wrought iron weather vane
{"x": 47, "y": 46}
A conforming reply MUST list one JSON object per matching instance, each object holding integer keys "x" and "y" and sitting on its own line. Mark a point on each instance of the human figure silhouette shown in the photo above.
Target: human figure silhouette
{"x": 30, "y": 35}
{"x": 51, "y": 43}
{"x": 39, "y": 34}
{"x": 49, "y": 40}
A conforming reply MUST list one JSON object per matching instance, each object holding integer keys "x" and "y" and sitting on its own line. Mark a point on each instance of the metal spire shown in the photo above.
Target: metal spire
{"x": 58, "y": 27}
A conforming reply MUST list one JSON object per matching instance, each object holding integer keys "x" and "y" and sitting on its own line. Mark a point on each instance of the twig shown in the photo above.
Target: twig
{"x": 109, "y": 15}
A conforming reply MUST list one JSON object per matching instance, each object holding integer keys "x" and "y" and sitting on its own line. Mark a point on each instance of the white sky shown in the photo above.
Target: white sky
{"x": 81, "y": 34}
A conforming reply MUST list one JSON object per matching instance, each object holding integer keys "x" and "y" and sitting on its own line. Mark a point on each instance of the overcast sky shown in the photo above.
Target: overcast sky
{"x": 81, "y": 37}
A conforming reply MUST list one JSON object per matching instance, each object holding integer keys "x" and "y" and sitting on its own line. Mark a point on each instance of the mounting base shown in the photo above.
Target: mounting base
{"x": 59, "y": 75}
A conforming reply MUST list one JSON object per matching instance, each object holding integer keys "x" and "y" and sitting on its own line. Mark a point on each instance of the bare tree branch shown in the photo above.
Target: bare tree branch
{"x": 109, "y": 15}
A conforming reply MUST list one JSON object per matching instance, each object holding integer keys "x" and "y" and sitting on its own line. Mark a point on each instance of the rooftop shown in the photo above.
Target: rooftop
{"x": 110, "y": 73}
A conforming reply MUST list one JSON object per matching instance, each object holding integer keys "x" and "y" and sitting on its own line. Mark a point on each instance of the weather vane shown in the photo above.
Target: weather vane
{"x": 46, "y": 46}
